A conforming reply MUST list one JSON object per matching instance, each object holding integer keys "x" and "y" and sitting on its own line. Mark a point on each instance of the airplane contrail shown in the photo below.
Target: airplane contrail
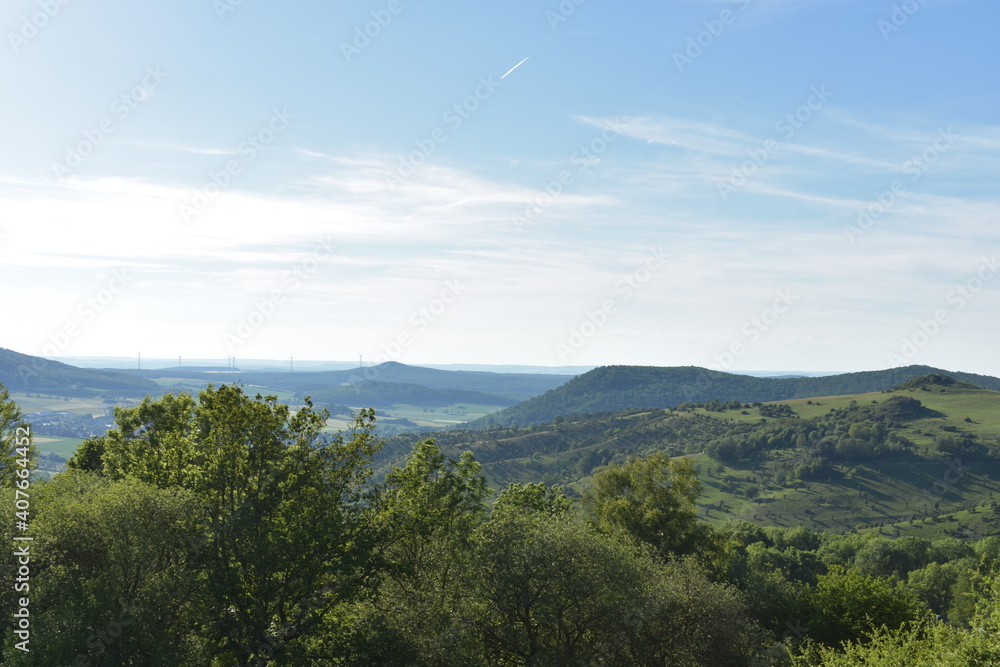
{"x": 514, "y": 67}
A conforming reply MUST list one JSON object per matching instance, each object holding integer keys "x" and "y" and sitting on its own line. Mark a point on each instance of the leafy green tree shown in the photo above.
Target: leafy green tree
{"x": 934, "y": 585}
{"x": 551, "y": 590}
{"x": 988, "y": 552}
{"x": 881, "y": 557}
{"x": 289, "y": 537}
{"x": 520, "y": 498}
{"x": 921, "y": 644}
{"x": 799, "y": 538}
{"x": 428, "y": 511}
{"x": 685, "y": 618}
{"x": 924, "y": 643}
{"x": 965, "y": 595}
{"x": 846, "y": 604}
{"x": 795, "y": 565}
{"x": 153, "y": 441}
{"x": 16, "y": 441}
{"x": 113, "y": 576}
{"x": 652, "y": 499}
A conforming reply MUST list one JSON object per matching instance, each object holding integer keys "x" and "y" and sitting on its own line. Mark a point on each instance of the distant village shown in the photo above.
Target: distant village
{"x": 63, "y": 424}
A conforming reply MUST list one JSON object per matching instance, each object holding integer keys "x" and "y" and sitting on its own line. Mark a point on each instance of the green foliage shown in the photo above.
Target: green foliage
{"x": 520, "y": 498}
{"x": 428, "y": 512}
{"x": 881, "y": 557}
{"x": 846, "y": 604}
{"x": 776, "y": 410}
{"x": 153, "y": 441}
{"x": 652, "y": 500}
{"x": 114, "y": 578}
{"x": 924, "y": 643}
{"x": 287, "y": 536}
{"x": 553, "y": 591}
{"x": 964, "y": 445}
{"x": 934, "y": 585}
{"x": 226, "y": 529}
{"x": 14, "y": 437}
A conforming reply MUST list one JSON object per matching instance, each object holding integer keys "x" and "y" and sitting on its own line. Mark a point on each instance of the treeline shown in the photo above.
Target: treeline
{"x": 227, "y": 530}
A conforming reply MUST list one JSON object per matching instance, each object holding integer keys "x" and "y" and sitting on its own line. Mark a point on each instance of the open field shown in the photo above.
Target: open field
{"x": 64, "y": 447}
{"x": 77, "y": 406}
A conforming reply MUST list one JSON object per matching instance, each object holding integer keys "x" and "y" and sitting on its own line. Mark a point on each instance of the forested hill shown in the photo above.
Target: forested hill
{"x": 26, "y": 373}
{"x": 614, "y": 388}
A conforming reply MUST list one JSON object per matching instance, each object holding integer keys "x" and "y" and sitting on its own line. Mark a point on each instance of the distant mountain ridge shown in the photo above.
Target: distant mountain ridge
{"x": 614, "y": 388}
{"x": 509, "y": 388}
{"x": 27, "y": 373}
{"x": 375, "y": 394}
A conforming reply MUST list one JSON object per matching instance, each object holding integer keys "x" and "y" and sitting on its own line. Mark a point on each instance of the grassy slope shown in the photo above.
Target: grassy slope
{"x": 887, "y": 491}
{"x": 890, "y": 491}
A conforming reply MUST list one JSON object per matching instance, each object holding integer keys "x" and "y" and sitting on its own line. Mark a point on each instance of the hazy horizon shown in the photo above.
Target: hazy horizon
{"x": 805, "y": 184}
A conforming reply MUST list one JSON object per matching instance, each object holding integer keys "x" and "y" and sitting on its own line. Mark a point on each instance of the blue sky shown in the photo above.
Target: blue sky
{"x": 763, "y": 184}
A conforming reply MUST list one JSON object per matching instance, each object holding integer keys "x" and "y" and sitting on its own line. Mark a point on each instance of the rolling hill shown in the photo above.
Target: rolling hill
{"x": 612, "y": 388}
{"x": 504, "y": 388}
{"x": 921, "y": 458}
{"x": 371, "y": 393}
{"x": 25, "y": 373}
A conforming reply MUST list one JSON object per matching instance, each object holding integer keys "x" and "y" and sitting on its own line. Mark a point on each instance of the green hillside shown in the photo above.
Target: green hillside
{"x": 22, "y": 373}
{"x": 613, "y": 388}
{"x": 896, "y": 460}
